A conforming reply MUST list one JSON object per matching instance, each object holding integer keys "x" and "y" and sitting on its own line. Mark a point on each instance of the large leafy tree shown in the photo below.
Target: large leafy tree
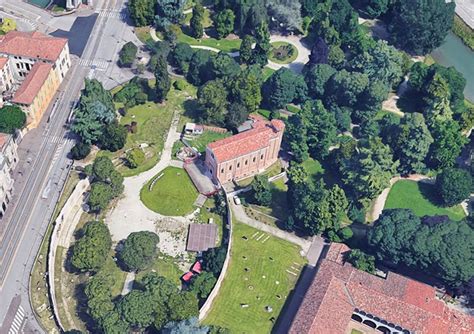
{"x": 371, "y": 8}
{"x": 100, "y": 196}
{"x": 380, "y": 62}
{"x": 262, "y": 194}
{"x": 223, "y": 66}
{"x": 454, "y": 185}
{"x": 224, "y": 22}
{"x": 448, "y": 142}
{"x": 203, "y": 284}
{"x": 96, "y": 109}
{"x": 11, "y": 119}
{"x": 420, "y": 26}
{"x": 163, "y": 81}
{"x": 212, "y": 99}
{"x": 136, "y": 308}
{"x": 183, "y": 306}
{"x": 198, "y": 72}
{"x": 443, "y": 248}
{"x": 283, "y": 87}
{"x": 91, "y": 250}
{"x": 169, "y": 12}
{"x": 262, "y": 45}
{"x": 245, "y": 52}
{"x": 362, "y": 261}
{"x": 316, "y": 79}
{"x": 142, "y": 12}
{"x": 245, "y": 89}
{"x": 114, "y": 137}
{"x": 345, "y": 87}
{"x": 285, "y": 14}
{"x": 181, "y": 57}
{"x": 196, "y": 24}
{"x": 127, "y": 54}
{"x": 139, "y": 250}
{"x": 214, "y": 260}
{"x": 113, "y": 323}
{"x": 411, "y": 143}
{"x": 369, "y": 171}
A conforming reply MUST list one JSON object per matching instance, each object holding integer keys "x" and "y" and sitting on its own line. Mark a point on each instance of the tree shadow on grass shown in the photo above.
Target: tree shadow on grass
{"x": 429, "y": 192}
{"x": 191, "y": 110}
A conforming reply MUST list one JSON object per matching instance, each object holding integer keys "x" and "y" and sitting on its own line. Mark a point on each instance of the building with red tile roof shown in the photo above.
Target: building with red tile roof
{"x": 32, "y": 66}
{"x": 247, "y": 153}
{"x": 342, "y": 298}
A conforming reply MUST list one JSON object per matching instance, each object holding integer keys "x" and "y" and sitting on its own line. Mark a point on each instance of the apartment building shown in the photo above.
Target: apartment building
{"x": 32, "y": 66}
{"x": 8, "y": 161}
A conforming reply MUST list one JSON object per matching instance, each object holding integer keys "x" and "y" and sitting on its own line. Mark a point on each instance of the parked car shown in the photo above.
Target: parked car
{"x": 237, "y": 200}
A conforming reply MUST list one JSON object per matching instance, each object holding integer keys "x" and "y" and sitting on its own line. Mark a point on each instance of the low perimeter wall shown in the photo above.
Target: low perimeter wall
{"x": 60, "y": 227}
{"x": 207, "y": 305}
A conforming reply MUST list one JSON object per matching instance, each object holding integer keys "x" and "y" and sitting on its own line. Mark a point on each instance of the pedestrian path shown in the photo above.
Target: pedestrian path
{"x": 18, "y": 321}
{"x": 100, "y": 64}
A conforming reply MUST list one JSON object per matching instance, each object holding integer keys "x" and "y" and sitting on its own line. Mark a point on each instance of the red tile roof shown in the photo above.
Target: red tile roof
{"x": 32, "y": 83}
{"x": 3, "y": 61}
{"x": 246, "y": 142}
{"x": 3, "y": 139}
{"x": 32, "y": 45}
{"x": 338, "y": 289}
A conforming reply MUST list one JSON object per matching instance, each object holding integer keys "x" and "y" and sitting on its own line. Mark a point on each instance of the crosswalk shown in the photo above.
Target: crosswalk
{"x": 100, "y": 64}
{"x": 114, "y": 14}
{"x": 18, "y": 321}
{"x": 33, "y": 24}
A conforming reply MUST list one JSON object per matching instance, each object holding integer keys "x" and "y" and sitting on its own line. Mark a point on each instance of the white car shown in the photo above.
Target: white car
{"x": 237, "y": 200}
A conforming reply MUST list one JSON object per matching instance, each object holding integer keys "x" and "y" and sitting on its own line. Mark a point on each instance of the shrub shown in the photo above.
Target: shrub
{"x": 179, "y": 85}
{"x": 127, "y": 54}
{"x": 80, "y": 151}
{"x": 362, "y": 261}
{"x": 11, "y": 119}
{"x": 135, "y": 157}
{"x": 139, "y": 250}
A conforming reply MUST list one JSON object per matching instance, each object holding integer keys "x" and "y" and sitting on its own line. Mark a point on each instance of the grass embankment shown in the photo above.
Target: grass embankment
{"x": 421, "y": 198}
{"x": 463, "y": 31}
{"x": 171, "y": 195}
{"x": 200, "y": 142}
{"x": 153, "y": 123}
{"x": 226, "y": 45}
{"x": 39, "y": 295}
{"x": 258, "y": 276}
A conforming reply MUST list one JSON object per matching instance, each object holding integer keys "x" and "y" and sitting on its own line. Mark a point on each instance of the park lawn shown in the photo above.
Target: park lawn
{"x": 287, "y": 60}
{"x": 313, "y": 167}
{"x": 278, "y": 207}
{"x": 143, "y": 34}
{"x": 154, "y": 121}
{"x": 267, "y": 72}
{"x": 200, "y": 142}
{"x": 419, "y": 197}
{"x": 165, "y": 266}
{"x": 226, "y": 45}
{"x": 270, "y": 259}
{"x": 172, "y": 195}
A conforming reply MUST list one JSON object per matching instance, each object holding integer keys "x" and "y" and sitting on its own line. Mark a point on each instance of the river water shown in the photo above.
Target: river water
{"x": 454, "y": 53}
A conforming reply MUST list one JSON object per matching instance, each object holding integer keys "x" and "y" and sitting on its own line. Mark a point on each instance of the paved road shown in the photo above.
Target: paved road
{"x": 40, "y": 174}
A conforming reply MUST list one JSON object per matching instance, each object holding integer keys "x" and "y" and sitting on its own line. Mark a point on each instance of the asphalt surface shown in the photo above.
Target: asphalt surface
{"x": 43, "y": 165}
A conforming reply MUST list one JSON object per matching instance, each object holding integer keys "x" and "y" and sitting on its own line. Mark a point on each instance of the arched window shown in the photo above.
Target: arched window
{"x": 369, "y": 323}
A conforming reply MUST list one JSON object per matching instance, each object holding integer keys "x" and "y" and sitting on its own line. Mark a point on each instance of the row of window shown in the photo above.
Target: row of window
{"x": 246, "y": 163}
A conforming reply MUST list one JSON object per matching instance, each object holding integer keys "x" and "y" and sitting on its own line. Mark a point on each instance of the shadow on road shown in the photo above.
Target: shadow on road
{"x": 79, "y": 33}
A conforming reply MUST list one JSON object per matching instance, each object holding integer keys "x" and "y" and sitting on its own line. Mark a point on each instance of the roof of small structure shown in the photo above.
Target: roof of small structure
{"x": 201, "y": 237}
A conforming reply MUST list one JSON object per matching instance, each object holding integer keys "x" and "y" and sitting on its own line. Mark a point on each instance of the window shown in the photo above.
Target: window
{"x": 222, "y": 171}
{"x": 246, "y": 162}
{"x": 230, "y": 167}
{"x": 261, "y": 157}
{"x": 238, "y": 165}
{"x": 253, "y": 160}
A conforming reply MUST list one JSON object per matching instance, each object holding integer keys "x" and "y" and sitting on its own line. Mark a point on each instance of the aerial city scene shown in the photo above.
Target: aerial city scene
{"x": 237, "y": 166}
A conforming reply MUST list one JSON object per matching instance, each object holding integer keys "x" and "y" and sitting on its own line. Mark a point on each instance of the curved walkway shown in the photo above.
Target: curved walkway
{"x": 130, "y": 214}
{"x": 297, "y": 65}
{"x": 379, "y": 202}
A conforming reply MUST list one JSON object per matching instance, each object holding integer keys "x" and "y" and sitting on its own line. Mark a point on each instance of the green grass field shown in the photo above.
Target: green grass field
{"x": 258, "y": 280}
{"x": 313, "y": 167}
{"x": 226, "y": 45}
{"x": 153, "y": 121}
{"x": 172, "y": 195}
{"x": 289, "y": 59}
{"x": 421, "y": 198}
{"x": 165, "y": 266}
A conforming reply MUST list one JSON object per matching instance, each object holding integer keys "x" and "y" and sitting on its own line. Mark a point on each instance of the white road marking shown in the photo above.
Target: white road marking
{"x": 101, "y": 64}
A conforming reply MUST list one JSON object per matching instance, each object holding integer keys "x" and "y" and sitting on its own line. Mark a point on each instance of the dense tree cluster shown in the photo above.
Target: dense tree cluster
{"x": 95, "y": 119}
{"x": 90, "y": 251}
{"x": 107, "y": 183}
{"x": 139, "y": 250}
{"x": 127, "y": 54}
{"x": 442, "y": 247}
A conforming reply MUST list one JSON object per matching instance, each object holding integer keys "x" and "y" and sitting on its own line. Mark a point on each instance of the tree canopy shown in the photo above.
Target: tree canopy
{"x": 11, "y": 118}
{"x": 139, "y": 250}
{"x": 454, "y": 185}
